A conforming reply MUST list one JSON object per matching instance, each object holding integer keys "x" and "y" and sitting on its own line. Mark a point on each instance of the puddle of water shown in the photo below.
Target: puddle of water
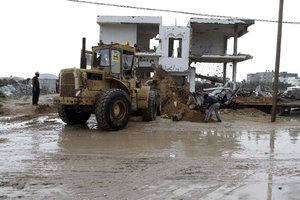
{"x": 222, "y": 162}
{"x": 280, "y": 144}
{"x": 22, "y": 149}
{"x": 163, "y": 144}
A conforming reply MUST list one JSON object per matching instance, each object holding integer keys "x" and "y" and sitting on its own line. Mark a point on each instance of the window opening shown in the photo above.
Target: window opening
{"x": 127, "y": 65}
{"x": 175, "y": 48}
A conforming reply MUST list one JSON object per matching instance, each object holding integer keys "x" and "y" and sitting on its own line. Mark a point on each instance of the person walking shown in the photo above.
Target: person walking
{"x": 35, "y": 89}
{"x": 213, "y": 106}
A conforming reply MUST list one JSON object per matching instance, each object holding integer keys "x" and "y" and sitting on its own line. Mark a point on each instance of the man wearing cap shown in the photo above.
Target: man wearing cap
{"x": 35, "y": 89}
{"x": 213, "y": 106}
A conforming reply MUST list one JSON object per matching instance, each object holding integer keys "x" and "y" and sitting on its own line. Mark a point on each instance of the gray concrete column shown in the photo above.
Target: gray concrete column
{"x": 224, "y": 73}
{"x": 235, "y": 43}
{"x": 192, "y": 77}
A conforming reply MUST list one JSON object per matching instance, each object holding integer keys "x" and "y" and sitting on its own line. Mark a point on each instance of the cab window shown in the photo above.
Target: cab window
{"x": 102, "y": 58}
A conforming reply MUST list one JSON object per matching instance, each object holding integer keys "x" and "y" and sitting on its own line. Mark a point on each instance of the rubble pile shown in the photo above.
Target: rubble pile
{"x": 291, "y": 93}
{"x": 15, "y": 90}
{"x": 14, "y": 86}
{"x": 175, "y": 99}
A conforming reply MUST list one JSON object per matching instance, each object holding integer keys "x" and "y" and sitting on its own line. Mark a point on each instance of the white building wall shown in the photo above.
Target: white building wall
{"x": 171, "y": 63}
{"x": 118, "y": 33}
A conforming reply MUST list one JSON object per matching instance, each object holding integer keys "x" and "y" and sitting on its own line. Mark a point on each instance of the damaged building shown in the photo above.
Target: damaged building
{"x": 175, "y": 48}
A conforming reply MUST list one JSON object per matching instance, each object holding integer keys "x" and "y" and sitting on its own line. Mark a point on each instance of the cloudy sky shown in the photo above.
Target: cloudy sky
{"x": 45, "y": 35}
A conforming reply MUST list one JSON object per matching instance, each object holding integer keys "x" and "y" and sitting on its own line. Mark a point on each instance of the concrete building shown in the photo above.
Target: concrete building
{"x": 261, "y": 77}
{"x": 175, "y": 48}
{"x": 268, "y": 76}
{"x": 289, "y": 78}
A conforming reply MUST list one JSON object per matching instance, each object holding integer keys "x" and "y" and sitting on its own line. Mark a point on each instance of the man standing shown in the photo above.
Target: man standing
{"x": 35, "y": 89}
{"x": 213, "y": 105}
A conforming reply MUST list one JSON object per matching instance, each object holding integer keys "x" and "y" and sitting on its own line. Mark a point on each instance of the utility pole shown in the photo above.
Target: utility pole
{"x": 277, "y": 62}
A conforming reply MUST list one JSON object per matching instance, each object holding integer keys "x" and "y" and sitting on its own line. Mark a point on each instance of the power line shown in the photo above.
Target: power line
{"x": 180, "y": 12}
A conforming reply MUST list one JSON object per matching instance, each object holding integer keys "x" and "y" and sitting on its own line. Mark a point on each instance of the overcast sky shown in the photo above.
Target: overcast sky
{"x": 45, "y": 35}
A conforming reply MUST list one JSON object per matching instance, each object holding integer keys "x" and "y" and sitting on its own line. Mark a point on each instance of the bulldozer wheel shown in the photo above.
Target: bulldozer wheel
{"x": 72, "y": 116}
{"x": 150, "y": 113}
{"x": 112, "y": 109}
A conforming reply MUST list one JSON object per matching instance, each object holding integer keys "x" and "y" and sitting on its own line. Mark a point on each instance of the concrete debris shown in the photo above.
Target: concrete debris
{"x": 177, "y": 102}
{"x": 291, "y": 93}
{"x": 14, "y": 86}
{"x": 15, "y": 90}
{"x": 258, "y": 92}
{"x": 213, "y": 79}
{"x": 177, "y": 116}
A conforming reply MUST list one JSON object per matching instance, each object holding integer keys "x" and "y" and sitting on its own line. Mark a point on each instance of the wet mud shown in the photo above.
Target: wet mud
{"x": 42, "y": 158}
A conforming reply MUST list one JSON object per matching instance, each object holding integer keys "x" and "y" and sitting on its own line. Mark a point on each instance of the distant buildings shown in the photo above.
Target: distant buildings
{"x": 289, "y": 78}
{"x": 268, "y": 76}
{"x": 262, "y": 77}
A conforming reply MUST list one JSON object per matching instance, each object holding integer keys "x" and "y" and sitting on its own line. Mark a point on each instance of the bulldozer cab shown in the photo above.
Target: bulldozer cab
{"x": 117, "y": 60}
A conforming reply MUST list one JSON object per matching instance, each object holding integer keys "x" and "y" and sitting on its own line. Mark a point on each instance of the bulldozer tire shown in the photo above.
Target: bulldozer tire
{"x": 72, "y": 116}
{"x": 112, "y": 109}
{"x": 150, "y": 113}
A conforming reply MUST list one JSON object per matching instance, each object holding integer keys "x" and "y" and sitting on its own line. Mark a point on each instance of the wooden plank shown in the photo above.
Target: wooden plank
{"x": 253, "y": 100}
{"x": 265, "y": 101}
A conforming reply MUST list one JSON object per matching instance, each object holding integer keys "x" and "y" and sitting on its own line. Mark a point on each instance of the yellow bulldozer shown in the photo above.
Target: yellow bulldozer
{"x": 108, "y": 88}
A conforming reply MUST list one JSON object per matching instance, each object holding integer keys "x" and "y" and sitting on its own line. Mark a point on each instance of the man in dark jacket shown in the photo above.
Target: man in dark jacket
{"x": 213, "y": 105}
{"x": 35, "y": 89}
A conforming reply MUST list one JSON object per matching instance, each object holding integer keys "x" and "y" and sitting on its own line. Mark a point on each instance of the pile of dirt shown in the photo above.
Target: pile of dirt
{"x": 45, "y": 108}
{"x": 23, "y": 106}
{"x": 174, "y": 97}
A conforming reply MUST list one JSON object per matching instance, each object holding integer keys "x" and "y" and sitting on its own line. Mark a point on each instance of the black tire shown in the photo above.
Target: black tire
{"x": 150, "y": 113}
{"x": 72, "y": 116}
{"x": 112, "y": 109}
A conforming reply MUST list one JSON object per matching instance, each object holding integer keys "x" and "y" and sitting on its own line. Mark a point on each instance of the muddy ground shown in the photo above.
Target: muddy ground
{"x": 244, "y": 157}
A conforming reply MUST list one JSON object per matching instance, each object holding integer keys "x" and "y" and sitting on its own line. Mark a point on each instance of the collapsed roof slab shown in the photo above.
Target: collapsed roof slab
{"x": 220, "y": 58}
{"x": 226, "y": 26}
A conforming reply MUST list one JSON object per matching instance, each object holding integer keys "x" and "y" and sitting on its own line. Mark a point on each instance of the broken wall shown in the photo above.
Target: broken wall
{"x": 146, "y": 32}
{"x": 207, "y": 43}
{"x": 174, "y": 58}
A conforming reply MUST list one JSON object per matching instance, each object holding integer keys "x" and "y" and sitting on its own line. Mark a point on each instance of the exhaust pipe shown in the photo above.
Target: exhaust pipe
{"x": 83, "y": 57}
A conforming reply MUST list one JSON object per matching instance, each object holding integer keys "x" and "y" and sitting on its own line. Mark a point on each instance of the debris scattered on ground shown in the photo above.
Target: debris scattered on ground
{"x": 292, "y": 93}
